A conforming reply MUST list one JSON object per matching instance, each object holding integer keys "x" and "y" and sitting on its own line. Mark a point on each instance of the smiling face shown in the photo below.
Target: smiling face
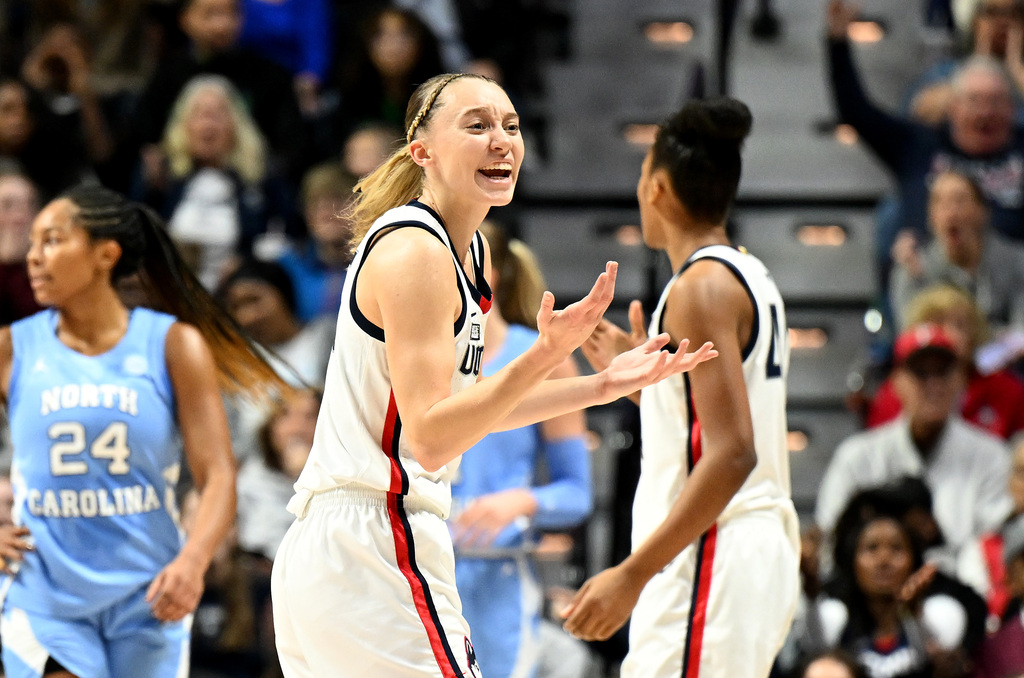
{"x": 471, "y": 149}
{"x": 62, "y": 259}
{"x": 884, "y": 558}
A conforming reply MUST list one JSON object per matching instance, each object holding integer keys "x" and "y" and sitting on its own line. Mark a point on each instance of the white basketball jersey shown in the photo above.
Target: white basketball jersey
{"x": 358, "y": 440}
{"x": 670, "y": 432}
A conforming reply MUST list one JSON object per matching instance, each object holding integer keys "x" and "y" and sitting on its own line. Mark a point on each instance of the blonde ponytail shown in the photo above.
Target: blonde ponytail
{"x": 397, "y": 181}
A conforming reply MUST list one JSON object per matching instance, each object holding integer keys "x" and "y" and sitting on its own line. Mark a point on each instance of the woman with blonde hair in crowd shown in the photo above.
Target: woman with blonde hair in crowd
{"x": 212, "y": 181}
{"x": 993, "y": 400}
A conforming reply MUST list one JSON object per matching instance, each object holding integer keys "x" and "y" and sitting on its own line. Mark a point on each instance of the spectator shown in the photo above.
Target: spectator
{"x": 1002, "y": 655}
{"x": 982, "y": 562}
{"x": 30, "y": 138}
{"x": 212, "y": 28}
{"x": 396, "y": 52}
{"x": 317, "y": 267}
{"x": 297, "y": 35}
{"x": 963, "y": 253}
{"x": 880, "y": 606}
{"x": 260, "y": 296}
{"x": 18, "y": 207}
{"x": 265, "y": 482}
{"x": 993, "y": 400}
{"x": 213, "y": 183}
{"x": 993, "y": 24}
{"x": 368, "y": 146}
{"x": 833, "y": 664}
{"x": 980, "y": 140}
{"x": 59, "y": 66}
{"x": 964, "y": 467}
{"x": 444, "y": 21}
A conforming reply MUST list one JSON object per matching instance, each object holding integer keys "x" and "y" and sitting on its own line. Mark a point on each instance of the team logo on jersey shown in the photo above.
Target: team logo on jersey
{"x": 471, "y": 663}
{"x": 40, "y": 366}
{"x": 135, "y": 365}
{"x": 471, "y": 361}
{"x": 474, "y": 332}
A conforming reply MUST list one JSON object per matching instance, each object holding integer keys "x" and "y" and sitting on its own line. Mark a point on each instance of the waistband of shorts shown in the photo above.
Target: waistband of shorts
{"x": 306, "y": 501}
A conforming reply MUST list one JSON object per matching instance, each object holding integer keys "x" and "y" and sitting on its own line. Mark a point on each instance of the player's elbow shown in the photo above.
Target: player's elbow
{"x": 430, "y": 454}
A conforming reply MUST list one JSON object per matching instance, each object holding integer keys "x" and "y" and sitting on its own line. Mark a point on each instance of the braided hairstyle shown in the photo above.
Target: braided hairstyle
{"x": 699, "y": 146}
{"x": 399, "y": 179}
{"x": 147, "y": 250}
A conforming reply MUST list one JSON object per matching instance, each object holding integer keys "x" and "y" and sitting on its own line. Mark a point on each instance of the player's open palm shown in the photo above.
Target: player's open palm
{"x": 609, "y": 340}
{"x": 602, "y": 605}
{"x": 563, "y": 331}
{"x": 176, "y": 591}
{"x": 648, "y": 364}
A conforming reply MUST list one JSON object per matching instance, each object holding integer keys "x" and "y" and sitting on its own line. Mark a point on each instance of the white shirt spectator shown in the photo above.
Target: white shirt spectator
{"x": 966, "y": 473}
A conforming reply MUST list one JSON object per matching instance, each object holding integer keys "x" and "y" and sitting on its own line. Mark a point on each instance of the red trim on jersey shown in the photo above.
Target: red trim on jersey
{"x": 388, "y": 444}
{"x": 702, "y": 571}
{"x": 699, "y": 611}
{"x": 403, "y": 556}
{"x": 485, "y": 304}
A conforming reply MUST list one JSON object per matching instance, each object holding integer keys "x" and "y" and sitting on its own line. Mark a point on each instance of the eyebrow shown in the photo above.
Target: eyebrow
{"x": 485, "y": 110}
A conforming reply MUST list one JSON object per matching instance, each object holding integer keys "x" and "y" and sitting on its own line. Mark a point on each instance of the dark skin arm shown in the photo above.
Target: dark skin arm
{"x": 12, "y": 538}
{"x": 176, "y": 590}
{"x": 707, "y": 303}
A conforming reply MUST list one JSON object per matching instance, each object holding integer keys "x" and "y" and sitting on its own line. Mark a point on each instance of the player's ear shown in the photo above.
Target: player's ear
{"x": 662, "y": 195}
{"x": 419, "y": 152}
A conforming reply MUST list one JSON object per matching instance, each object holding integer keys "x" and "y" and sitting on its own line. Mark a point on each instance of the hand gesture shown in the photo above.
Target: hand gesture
{"x": 906, "y": 254}
{"x": 608, "y": 340}
{"x": 176, "y": 590}
{"x": 648, "y": 364}
{"x": 487, "y": 516}
{"x": 602, "y": 605}
{"x": 912, "y": 592}
{"x": 13, "y": 544}
{"x": 1015, "y": 54}
{"x": 563, "y": 331}
{"x": 839, "y": 16}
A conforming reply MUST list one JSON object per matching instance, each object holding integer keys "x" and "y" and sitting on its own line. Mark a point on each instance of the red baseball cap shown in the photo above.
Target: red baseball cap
{"x": 919, "y": 338}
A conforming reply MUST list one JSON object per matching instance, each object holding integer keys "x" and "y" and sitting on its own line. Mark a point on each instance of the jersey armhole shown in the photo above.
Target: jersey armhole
{"x": 755, "y": 325}
{"x": 357, "y": 315}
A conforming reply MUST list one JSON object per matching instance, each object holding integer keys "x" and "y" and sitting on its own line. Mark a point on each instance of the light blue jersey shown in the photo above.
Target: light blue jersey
{"x": 95, "y": 466}
{"x": 501, "y": 597}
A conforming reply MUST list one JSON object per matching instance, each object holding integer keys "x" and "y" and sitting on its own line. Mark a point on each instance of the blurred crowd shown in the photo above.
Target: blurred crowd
{"x": 247, "y": 123}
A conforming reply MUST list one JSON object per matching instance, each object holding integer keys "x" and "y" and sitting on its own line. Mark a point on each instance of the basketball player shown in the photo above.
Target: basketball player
{"x": 713, "y": 572}
{"x": 364, "y": 584}
{"x": 98, "y": 581}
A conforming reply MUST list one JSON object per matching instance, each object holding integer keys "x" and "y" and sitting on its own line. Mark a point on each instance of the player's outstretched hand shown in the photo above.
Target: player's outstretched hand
{"x": 12, "y": 547}
{"x": 609, "y": 340}
{"x": 602, "y": 605}
{"x": 176, "y": 590}
{"x": 563, "y": 331}
{"x": 648, "y": 364}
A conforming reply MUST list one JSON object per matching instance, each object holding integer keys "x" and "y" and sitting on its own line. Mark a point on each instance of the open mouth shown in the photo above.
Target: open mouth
{"x": 501, "y": 170}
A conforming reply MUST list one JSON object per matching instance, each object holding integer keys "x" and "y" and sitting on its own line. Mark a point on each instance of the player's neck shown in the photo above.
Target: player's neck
{"x": 684, "y": 243}
{"x": 92, "y": 329}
